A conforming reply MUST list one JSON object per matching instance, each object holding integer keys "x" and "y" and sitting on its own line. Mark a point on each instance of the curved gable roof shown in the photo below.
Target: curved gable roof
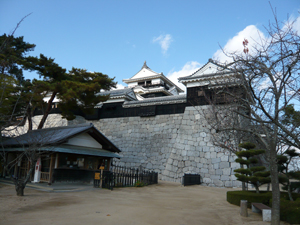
{"x": 59, "y": 135}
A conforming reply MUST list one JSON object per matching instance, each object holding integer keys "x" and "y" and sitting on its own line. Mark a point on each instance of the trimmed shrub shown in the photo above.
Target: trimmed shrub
{"x": 289, "y": 210}
{"x": 235, "y": 197}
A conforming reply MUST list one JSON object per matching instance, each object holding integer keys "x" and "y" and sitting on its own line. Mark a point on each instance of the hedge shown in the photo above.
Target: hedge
{"x": 289, "y": 211}
{"x": 235, "y": 197}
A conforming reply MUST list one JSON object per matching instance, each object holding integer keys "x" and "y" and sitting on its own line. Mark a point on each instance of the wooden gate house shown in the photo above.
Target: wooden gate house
{"x": 69, "y": 153}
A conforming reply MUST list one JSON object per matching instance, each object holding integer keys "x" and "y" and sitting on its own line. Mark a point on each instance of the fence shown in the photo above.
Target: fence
{"x": 120, "y": 176}
{"x": 191, "y": 179}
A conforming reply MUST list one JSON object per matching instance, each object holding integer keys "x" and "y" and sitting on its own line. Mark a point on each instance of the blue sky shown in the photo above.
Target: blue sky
{"x": 116, "y": 37}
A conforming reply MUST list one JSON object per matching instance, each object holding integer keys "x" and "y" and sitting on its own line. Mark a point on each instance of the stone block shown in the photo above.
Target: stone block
{"x": 225, "y": 177}
{"x": 219, "y": 172}
{"x": 149, "y": 166}
{"x": 175, "y": 162}
{"x": 207, "y": 139}
{"x": 180, "y": 164}
{"x": 220, "y": 154}
{"x": 187, "y": 163}
{"x": 169, "y": 167}
{"x": 202, "y": 134}
{"x": 224, "y": 158}
{"x": 224, "y": 165}
{"x": 227, "y": 171}
{"x": 203, "y": 170}
{"x": 207, "y": 180}
{"x": 212, "y": 172}
{"x": 228, "y": 183}
{"x": 185, "y": 169}
{"x": 235, "y": 165}
{"x": 213, "y": 155}
{"x": 216, "y": 160}
{"x": 207, "y": 155}
{"x": 199, "y": 165}
{"x": 218, "y": 183}
{"x": 216, "y": 166}
{"x": 215, "y": 177}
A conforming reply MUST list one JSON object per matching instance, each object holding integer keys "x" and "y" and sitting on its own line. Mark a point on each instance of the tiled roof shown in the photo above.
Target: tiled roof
{"x": 206, "y": 75}
{"x": 156, "y": 101}
{"x": 58, "y": 135}
{"x": 203, "y": 76}
{"x": 73, "y": 149}
{"x": 118, "y": 93}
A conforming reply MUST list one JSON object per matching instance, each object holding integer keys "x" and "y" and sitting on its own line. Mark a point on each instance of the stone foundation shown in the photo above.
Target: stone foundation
{"x": 172, "y": 145}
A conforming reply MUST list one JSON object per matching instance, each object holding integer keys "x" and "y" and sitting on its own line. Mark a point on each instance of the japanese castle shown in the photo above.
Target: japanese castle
{"x": 144, "y": 86}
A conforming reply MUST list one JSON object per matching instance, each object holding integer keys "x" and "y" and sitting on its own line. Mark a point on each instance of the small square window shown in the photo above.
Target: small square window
{"x": 200, "y": 93}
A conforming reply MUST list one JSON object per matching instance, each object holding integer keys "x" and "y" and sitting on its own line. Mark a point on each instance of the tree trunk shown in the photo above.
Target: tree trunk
{"x": 20, "y": 188}
{"x": 275, "y": 220}
{"x": 256, "y": 189}
{"x": 43, "y": 120}
{"x": 290, "y": 191}
{"x": 20, "y": 184}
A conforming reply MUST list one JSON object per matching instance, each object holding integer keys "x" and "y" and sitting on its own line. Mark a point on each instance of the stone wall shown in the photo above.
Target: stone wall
{"x": 169, "y": 144}
{"x": 172, "y": 145}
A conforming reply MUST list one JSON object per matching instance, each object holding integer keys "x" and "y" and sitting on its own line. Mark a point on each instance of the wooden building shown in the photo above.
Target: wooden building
{"x": 70, "y": 153}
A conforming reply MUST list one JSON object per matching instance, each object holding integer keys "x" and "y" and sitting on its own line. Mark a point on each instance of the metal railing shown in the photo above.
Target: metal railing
{"x": 120, "y": 176}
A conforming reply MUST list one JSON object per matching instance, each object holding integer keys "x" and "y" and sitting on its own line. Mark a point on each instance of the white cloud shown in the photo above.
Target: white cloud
{"x": 187, "y": 69}
{"x": 296, "y": 25}
{"x": 235, "y": 44}
{"x": 164, "y": 42}
{"x": 119, "y": 86}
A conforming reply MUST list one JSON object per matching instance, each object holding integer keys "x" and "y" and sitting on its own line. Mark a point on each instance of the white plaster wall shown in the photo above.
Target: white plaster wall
{"x": 84, "y": 140}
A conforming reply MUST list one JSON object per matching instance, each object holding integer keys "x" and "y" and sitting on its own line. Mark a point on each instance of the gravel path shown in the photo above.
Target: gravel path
{"x": 164, "y": 203}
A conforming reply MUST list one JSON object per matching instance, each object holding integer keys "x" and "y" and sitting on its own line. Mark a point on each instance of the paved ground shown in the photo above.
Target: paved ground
{"x": 164, "y": 203}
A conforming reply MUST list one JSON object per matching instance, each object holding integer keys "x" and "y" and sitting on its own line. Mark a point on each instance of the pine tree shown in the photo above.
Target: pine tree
{"x": 253, "y": 174}
{"x": 284, "y": 161}
{"x": 77, "y": 89}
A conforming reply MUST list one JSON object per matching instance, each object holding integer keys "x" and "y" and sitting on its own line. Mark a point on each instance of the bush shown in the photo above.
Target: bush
{"x": 235, "y": 197}
{"x": 289, "y": 210}
{"x": 139, "y": 184}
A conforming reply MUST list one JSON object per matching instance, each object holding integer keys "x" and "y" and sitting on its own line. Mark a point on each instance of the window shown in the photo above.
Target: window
{"x": 201, "y": 93}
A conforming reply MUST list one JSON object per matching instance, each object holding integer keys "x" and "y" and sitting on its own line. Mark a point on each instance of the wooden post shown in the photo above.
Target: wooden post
{"x": 50, "y": 170}
{"x": 56, "y": 160}
{"x": 101, "y": 177}
{"x": 243, "y": 208}
{"x": 101, "y": 174}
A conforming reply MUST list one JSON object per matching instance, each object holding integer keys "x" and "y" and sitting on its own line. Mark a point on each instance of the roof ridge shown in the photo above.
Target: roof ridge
{"x": 143, "y": 67}
{"x": 65, "y": 127}
{"x": 210, "y": 60}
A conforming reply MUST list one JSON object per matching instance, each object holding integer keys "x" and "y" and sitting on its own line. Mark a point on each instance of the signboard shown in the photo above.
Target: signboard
{"x": 97, "y": 176}
{"x": 101, "y": 167}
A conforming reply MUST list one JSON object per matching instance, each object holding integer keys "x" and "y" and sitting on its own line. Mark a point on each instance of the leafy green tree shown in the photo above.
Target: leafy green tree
{"x": 253, "y": 174}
